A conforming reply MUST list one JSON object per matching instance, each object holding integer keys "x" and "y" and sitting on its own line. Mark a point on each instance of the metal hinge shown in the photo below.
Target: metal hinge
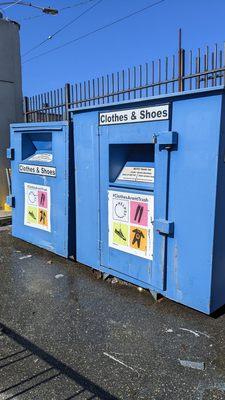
{"x": 11, "y": 201}
{"x": 10, "y": 153}
{"x": 164, "y": 227}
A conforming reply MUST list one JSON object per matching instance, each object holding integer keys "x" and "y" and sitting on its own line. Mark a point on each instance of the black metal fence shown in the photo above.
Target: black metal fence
{"x": 182, "y": 71}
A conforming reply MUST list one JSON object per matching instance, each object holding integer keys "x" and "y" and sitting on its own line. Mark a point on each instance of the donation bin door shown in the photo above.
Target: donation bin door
{"x": 134, "y": 179}
{"x": 39, "y": 156}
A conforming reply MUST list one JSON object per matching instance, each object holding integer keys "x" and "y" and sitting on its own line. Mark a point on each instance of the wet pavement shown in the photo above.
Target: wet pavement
{"x": 68, "y": 335}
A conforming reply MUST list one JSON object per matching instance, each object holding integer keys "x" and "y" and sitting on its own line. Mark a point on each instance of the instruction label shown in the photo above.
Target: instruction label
{"x": 130, "y": 219}
{"x": 37, "y": 170}
{"x": 37, "y": 206}
{"x": 146, "y": 114}
{"x": 137, "y": 174}
{"x": 42, "y": 157}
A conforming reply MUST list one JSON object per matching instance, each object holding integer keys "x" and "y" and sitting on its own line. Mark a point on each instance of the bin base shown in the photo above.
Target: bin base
{"x": 156, "y": 296}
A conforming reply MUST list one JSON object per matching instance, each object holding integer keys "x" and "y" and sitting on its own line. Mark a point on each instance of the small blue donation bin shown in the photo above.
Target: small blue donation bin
{"x": 150, "y": 194}
{"x": 41, "y": 175}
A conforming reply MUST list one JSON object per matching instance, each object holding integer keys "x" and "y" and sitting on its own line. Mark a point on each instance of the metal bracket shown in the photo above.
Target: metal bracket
{"x": 10, "y": 153}
{"x": 167, "y": 140}
{"x": 10, "y": 201}
{"x": 164, "y": 227}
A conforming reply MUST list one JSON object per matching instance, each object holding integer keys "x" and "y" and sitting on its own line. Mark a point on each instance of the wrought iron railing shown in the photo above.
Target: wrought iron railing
{"x": 180, "y": 72}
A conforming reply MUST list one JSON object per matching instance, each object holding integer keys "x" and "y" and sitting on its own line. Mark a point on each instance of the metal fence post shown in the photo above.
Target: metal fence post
{"x": 181, "y": 64}
{"x": 178, "y": 76}
{"x": 67, "y": 101}
{"x": 25, "y": 108}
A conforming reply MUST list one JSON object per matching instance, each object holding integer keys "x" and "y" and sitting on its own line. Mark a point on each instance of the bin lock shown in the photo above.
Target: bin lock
{"x": 166, "y": 140}
{"x": 164, "y": 227}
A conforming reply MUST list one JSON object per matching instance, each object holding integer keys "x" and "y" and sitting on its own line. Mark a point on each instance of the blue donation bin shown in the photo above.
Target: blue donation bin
{"x": 150, "y": 194}
{"x": 41, "y": 175}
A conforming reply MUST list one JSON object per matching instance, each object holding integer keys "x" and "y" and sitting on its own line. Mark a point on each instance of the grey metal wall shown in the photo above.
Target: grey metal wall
{"x": 11, "y": 109}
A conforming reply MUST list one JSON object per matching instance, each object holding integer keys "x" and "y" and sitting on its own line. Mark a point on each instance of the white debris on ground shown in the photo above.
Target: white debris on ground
{"x": 192, "y": 364}
{"x": 119, "y": 361}
{"x": 58, "y": 276}
{"x": 195, "y": 333}
{"x": 24, "y": 257}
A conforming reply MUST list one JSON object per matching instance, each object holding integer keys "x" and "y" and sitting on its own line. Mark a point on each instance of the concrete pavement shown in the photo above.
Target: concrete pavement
{"x": 67, "y": 335}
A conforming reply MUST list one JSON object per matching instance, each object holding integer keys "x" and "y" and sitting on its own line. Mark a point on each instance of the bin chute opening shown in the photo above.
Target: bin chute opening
{"x": 121, "y": 154}
{"x": 36, "y": 143}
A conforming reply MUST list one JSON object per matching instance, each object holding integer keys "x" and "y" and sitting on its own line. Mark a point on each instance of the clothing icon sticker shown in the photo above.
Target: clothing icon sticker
{"x": 43, "y": 217}
{"x": 139, "y": 213}
{"x": 138, "y": 238}
{"x": 37, "y": 206}
{"x": 120, "y": 234}
{"x": 130, "y": 217}
{"x": 42, "y": 199}
{"x": 121, "y": 210}
{"x": 32, "y": 214}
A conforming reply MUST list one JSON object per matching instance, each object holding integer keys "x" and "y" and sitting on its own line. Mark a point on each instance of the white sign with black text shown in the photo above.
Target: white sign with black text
{"x": 137, "y": 174}
{"x": 37, "y": 170}
{"x": 146, "y": 114}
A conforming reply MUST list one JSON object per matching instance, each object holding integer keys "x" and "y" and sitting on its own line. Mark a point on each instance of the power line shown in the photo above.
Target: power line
{"x": 95, "y": 31}
{"x": 59, "y": 9}
{"x": 75, "y": 5}
{"x": 62, "y": 28}
{"x": 11, "y": 5}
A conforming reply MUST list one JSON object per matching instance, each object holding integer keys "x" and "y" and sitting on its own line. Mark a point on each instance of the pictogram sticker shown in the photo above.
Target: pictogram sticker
{"x": 139, "y": 213}
{"x": 138, "y": 238}
{"x": 42, "y": 217}
{"x": 120, "y": 234}
{"x": 121, "y": 210}
{"x": 37, "y": 206}
{"x": 130, "y": 223}
{"x": 32, "y": 216}
{"x": 42, "y": 199}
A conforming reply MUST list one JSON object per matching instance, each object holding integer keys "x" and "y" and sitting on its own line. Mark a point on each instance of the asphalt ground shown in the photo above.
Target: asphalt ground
{"x": 68, "y": 335}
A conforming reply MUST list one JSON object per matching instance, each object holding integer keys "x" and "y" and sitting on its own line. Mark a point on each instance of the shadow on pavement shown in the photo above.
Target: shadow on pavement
{"x": 57, "y": 368}
{"x": 218, "y": 313}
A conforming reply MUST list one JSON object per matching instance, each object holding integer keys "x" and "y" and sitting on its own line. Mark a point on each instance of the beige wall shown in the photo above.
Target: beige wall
{"x": 10, "y": 93}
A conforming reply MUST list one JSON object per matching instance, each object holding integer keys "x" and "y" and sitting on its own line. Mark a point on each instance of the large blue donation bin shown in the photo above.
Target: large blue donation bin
{"x": 41, "y": 175}
{"x": 150, "y": 194}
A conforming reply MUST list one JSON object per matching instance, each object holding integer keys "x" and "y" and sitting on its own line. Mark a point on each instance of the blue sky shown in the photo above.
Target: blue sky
{"x": 144, "y": 37}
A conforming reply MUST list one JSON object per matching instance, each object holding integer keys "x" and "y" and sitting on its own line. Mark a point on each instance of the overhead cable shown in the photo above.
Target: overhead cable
{"x": 95, "y": 31}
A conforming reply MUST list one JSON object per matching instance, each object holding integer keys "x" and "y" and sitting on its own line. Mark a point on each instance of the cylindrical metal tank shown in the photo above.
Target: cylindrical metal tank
{"x": 11, "y": 100}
